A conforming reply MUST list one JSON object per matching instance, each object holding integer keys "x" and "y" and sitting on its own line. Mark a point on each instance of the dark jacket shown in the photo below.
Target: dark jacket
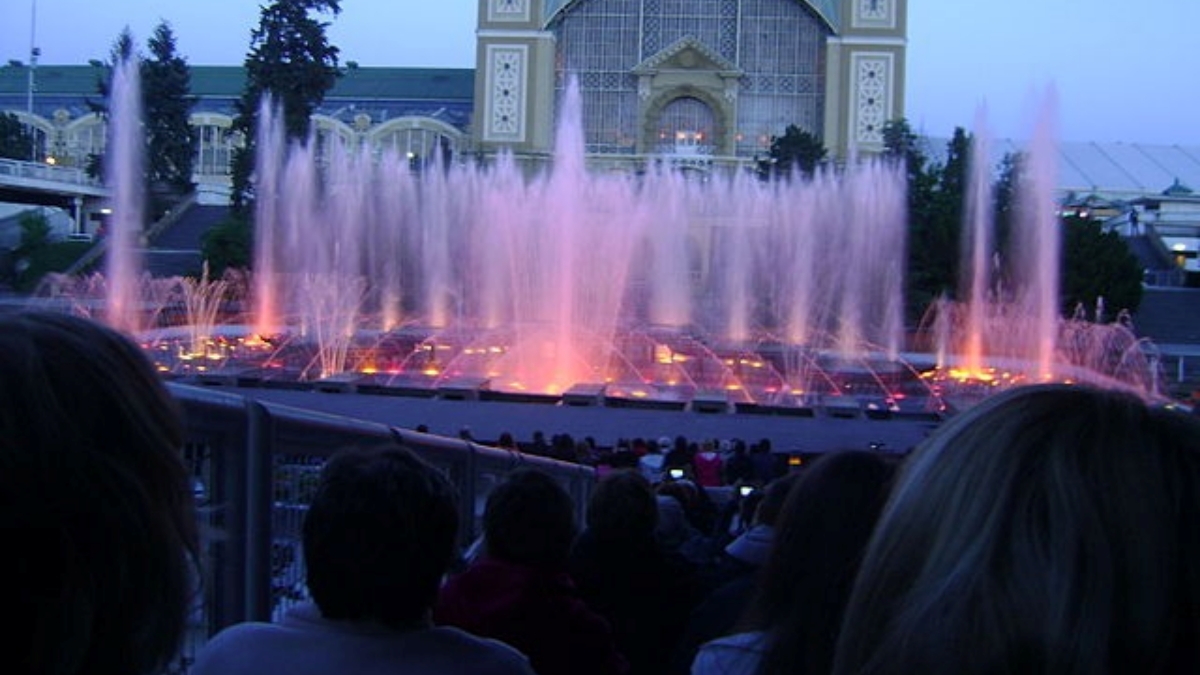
{"x": 644, "y": 592}
{"x": 537, "y": 611}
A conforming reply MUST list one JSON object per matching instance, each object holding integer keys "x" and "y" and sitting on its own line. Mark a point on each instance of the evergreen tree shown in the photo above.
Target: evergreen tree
{"x": 901, "y": 144}
{"x": 167, "y": 105}
{"x": 290, "y": 59}
{"x": 935, "y": 203}
{"x": 1098, "y": 264}
{"x": 122, "y": 50}
{"x": 15, "y": 140}
{"x": 796, "y": 150}
{"x": 1011, "y": 167}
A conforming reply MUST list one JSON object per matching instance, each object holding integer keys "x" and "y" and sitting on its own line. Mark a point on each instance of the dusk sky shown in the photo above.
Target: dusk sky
{"x": 1123, "y": 71}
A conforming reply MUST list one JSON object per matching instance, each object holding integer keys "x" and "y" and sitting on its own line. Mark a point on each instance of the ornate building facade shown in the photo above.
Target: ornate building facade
{"x": 414, "y": 111}
{"x": 700, "y": 82}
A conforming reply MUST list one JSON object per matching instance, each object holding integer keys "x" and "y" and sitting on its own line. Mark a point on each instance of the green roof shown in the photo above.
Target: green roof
{"x": 68, "y": 80}
{"x": 228, "y": 81}
{"x": 418, "y": 83}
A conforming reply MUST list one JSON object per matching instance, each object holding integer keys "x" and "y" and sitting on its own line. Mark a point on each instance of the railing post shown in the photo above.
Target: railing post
{"x": 258, "y": 515}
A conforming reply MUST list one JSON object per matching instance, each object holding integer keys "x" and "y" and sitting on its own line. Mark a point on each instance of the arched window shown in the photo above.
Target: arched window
{"x": 85, "y": 137}
{"x": 214, "y": 149}
{"x": 421, "y": 140}
{"x": 686, "y": 127}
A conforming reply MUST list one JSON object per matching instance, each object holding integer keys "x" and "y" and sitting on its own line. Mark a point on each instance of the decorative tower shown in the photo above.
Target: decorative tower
{"x": 865, "y": 75}
{"x": 514, "y": 78}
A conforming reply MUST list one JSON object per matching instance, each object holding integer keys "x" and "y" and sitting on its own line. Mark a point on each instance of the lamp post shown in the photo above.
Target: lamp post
{"x": 34, "y": 52}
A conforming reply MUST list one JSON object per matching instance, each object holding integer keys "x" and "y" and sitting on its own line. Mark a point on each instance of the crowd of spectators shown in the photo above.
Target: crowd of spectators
{"x": 1047, "y": 529}
{"x": 707, "y": 463}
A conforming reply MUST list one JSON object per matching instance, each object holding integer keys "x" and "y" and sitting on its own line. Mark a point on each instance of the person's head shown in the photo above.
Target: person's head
{"x": 529, "y": 519}
{"x": 774, "y": 495}
{"x": 821, "y": 532}
{"x": 682, "y": 489}
{"x": 379, "y": 535}
{"x": 672, "y": 528}
{"x": 1051, "y": 528}
{"x": 96, "y": 502}
{"x": 622, "y": 505}
{"x": 681, "y": 444}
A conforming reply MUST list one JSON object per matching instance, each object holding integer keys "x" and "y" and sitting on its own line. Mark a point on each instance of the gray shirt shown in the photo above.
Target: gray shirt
{"x": 305, "y": 643}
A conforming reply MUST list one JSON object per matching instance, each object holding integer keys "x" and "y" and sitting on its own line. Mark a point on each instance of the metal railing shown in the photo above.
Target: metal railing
{"x": 256, "y": 464}
{"x": 41, "y": 171}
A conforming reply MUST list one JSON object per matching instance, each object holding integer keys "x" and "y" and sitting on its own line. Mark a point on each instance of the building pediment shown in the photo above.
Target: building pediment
{"x": 687, "y": 53}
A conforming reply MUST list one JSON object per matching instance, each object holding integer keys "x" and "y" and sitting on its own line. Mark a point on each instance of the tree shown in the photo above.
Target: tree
{"x": 935, "y": 215}
{"x": 290, "y": 59}
{"x": 1007, "y": 185}
{"x": 796, "y": 150}
{"x": 227, "y": 245}
{"x": 123, "y": 49}
{"x": 15, "y": 140}
{"x": 901, "y": 144}
{"x": 167, "y": 106}
{"x": 1098, "y": 264}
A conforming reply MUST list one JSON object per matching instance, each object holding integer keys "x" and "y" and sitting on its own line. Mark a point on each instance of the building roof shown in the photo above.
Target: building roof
{"x": 382, "y": 93}
{"x": 1114, "y": 170}
{"x": 228, "y": 81}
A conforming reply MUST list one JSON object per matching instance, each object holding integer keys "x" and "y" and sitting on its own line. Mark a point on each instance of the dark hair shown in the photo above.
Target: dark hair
{"x": 1050, "y": 528}
{"x": 379, "y": 535}
{"x": 529, "y": 519}
{"x": 820, "y": 535}
{"x": 96, "y": 503}
{"x": 773, "y": 497}
{"x": 623, "y": 505}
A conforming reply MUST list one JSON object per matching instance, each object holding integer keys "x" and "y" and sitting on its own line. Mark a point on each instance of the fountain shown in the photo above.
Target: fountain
{"x": 123, "y": 169}
{"x": 654, "y": 287}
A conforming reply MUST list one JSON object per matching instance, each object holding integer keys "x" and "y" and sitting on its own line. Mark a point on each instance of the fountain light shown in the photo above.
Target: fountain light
{"x": 320, "y": 223}
{"x": 966, "y": 375}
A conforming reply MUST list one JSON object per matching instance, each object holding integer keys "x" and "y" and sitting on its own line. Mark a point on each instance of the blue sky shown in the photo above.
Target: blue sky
{"x": 1123, "y": 71}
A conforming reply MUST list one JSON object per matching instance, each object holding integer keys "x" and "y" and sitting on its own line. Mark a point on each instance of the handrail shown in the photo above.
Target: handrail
{"x": 171, "y": 217}
{"x": 1175, "y": 275}
{"x": 43, "y": 171}
{"x": 101, "y": 245}
{"x": 254, "y": 460}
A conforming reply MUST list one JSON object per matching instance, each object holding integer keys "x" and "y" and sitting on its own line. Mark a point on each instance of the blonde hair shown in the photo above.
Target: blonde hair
{"x": 1051, "y": 528}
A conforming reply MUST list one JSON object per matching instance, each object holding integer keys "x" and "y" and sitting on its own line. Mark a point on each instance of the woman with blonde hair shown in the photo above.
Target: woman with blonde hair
{"x": 1050, "y": 529}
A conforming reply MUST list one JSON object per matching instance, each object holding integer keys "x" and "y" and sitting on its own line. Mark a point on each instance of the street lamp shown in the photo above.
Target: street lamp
{"x": 34, "y": 52}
